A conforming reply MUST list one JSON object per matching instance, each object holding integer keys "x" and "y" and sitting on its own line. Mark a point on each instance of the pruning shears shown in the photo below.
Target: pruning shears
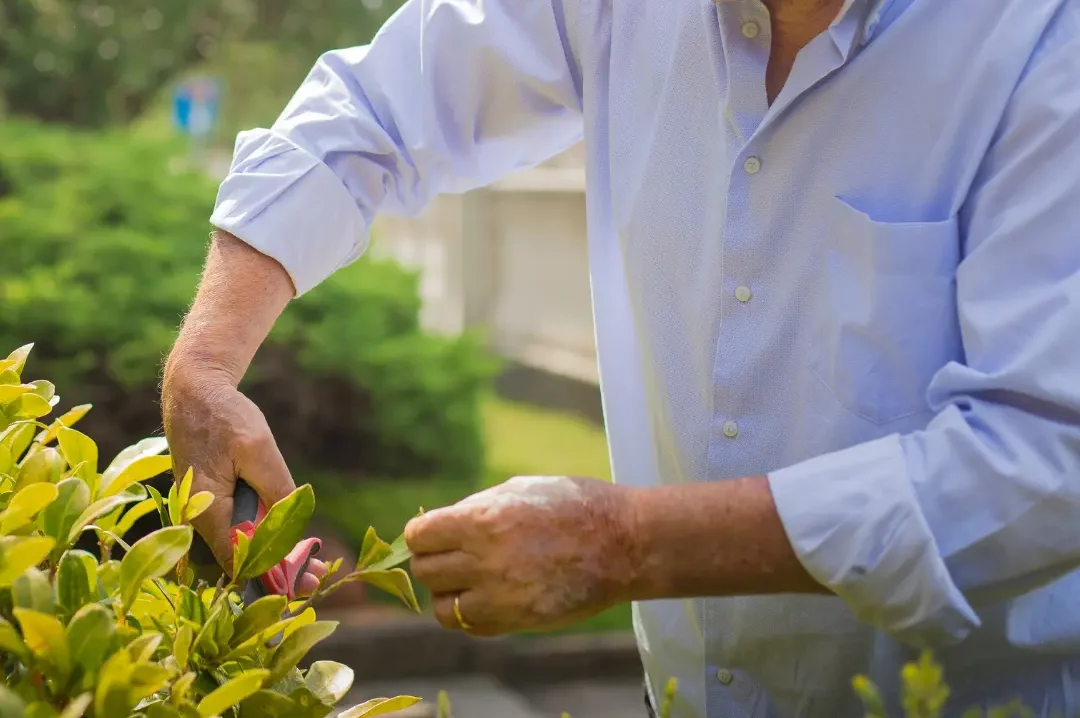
{"x": 281, "y": 579}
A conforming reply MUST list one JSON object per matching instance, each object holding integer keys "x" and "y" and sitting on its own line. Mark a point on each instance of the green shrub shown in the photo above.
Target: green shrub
{"x": 93, "y": 64}
{"x": 83, "y": 635}
{"x": 102, "y": 239}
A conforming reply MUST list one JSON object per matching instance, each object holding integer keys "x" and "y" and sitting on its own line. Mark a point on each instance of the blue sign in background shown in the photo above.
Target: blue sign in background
{"x": 196, "y": 105}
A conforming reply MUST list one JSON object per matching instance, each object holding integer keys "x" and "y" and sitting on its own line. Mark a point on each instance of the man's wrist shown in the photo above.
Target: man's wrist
{"x": 241, "y": 295}
{"x": 719, "y": 538}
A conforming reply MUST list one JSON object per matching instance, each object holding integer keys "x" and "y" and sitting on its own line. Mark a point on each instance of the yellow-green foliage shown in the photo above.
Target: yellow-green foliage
{"x": 86, "y": 635}
{"x": 924, "y": 694}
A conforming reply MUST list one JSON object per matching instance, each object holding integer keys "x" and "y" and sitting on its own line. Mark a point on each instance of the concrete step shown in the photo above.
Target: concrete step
{"x": 588, "y": 699}
{"x": 472, "y": 696}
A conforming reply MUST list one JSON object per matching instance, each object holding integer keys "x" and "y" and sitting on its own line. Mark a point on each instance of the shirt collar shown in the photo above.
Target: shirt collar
{"x": 857, "y": 22}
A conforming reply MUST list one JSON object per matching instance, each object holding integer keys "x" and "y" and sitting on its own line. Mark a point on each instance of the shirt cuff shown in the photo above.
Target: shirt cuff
{"x": 289, "y": 205}
{"x": 855, "y": 523}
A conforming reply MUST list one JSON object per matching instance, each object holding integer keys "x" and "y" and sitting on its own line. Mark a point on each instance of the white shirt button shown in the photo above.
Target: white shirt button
{"x": 724, "y": 676}
{"x": 742, "y": 294}
{"x": 731, "y": 429}
{"x": 751, "y": 29}
{"x": 752, "y": 165}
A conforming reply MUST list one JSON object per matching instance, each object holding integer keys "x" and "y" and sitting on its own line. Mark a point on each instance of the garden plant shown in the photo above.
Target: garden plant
{"x": 129, "y": 632}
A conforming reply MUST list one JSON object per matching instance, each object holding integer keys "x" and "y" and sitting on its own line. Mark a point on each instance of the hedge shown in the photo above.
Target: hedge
{"x": 90, "y": 634}
{"x": 102, "y": 239}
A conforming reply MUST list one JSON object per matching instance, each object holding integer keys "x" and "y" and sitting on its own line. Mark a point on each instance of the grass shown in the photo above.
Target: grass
{"x": 520, "y": 440}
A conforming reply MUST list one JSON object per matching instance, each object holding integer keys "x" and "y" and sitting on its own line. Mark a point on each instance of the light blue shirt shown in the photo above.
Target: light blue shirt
{"x": 868, "y": 291}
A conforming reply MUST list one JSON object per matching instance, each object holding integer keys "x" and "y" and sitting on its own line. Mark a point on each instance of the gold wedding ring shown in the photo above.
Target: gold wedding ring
{"x": 457, "y": 614}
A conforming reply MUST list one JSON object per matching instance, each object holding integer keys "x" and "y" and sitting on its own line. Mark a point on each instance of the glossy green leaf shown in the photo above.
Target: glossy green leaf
{"x": 399, "y": 554}
{"x": 196, "y": 505}
{"x": 185, "y": 636}
{"x": 11, "y": 641}
{"x": 17, "y": 437}
{"x": 295, "y": 646}
{"x": 395, "y": 582}
{"x": 26, "y": 504}
{"x": 16, "y": 360}
{"x": 146, "y": 679}
{"x": 19, "y": 553}
{"x": 76, "y": 580}
{"x": 7, "y": 461}
{"x": 59, "y": 516}
{"x": 162, "y": 710}
{"x": 176, "y": 511}
{"x": 45, "y": 466}
{"x": 96, "y": 509}
{"x": 257, "y": 617}
{"x": 78, "y": 706}
{"x": 32, "y": 590}
{"x": 373, "y": 549}
{"x": 133, "y": 514}
{"x": 11, "y": 705}
{"x": 79, "y": 450}
{"x": 267, "y": 704}
{"x": 191, "y": 607}
{"x": 44, "y": 636}
{"x": 280, "y": 530}
{"x": 205, "y": 642}
{"x": 329, "y": 681}
{"x": 152, "y": 557}
{"x": 184, "y": 492}
{"x": 232, "y": 692}
{"x": 91, "y": 636}
{"x": 240, "y": 550}
{"x": 109, "y": 576}
{"x": 112, "y": 696}
{"x": 150, "y": 447}
{"x": 380, "y": 707}
{"x": 163, "y": 512}
{"x": 251, "y": 644}
{"x": 181, "y": 687}
{"x": 11, "y": 393}
{"x": 142, "y": 648}
{"x": 308, "y": 705}
{"x": 146, "y": 467}
{"x": 45, "y": 389}
{"x": 31, "y": 406}
{"x": 67, "y": 419}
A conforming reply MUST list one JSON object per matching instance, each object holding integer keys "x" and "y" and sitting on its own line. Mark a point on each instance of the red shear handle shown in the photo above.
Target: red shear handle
{"x": 281, "y": 579}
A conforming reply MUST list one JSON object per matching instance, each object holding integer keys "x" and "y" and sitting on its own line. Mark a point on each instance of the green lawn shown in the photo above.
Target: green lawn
{"x": 519, "y": 440}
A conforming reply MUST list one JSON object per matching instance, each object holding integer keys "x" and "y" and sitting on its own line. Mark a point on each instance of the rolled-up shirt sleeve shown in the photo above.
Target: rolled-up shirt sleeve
{"x": 449, "y": 95}
{"x": 917, "y": 531}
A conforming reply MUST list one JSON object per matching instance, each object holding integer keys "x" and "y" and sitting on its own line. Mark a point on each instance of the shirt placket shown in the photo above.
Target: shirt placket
{"x": 746, "y": 40}
{"x": 731, "y": 690}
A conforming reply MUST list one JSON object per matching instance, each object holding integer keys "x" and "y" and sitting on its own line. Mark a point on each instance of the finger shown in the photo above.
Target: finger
{"x": 258, "y": 461}
{"x": 451, "y": 572}
{"x": 436, "y": 531}
{"x": 470, "y": 605}
{"x": 214, "y": 523}
{"x": 316, "y": 568}
{"x": 442, "y": 605}
{"x": 306, "y": 584}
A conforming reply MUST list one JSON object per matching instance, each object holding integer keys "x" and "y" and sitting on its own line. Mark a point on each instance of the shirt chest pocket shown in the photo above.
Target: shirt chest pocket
{"x": 885, "y": 319}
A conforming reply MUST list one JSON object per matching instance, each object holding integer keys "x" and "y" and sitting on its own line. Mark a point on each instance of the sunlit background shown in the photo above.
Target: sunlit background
{"x": 412, "y": 378}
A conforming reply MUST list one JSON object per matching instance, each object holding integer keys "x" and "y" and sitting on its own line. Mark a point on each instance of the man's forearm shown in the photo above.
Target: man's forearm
{"x": 713, "y": 539}
{"x": 241, "y": 295}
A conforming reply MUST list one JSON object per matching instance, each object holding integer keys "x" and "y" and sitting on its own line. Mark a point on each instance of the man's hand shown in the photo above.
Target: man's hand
{"x": 536, "y": 552}
{"x": 210, "y": 425}
{"x": 214, "y": 428}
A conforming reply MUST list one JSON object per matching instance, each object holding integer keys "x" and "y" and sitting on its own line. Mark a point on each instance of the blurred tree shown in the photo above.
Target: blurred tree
{"x": 96, "y": 62}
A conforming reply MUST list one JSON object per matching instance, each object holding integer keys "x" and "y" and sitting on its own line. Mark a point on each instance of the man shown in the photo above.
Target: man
{"x": 835, "y": 256}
